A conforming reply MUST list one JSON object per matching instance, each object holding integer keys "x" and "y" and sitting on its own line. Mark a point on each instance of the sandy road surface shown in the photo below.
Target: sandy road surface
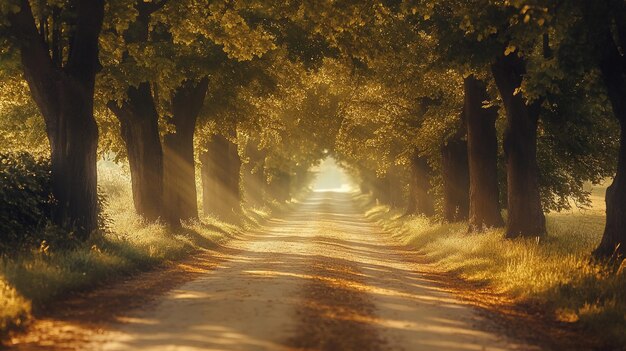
{"x": 323, "y": 278}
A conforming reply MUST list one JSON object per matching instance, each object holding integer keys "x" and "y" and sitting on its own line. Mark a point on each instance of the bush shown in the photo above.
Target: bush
{"x": 25, "y": 199}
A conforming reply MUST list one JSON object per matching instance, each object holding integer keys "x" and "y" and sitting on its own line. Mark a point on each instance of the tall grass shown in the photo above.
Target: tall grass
{"x": 556, "y": 273}
{"x": 129, "y": 245}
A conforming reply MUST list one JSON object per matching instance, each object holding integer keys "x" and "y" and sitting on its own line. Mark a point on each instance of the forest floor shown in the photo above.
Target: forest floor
{"x": 322, "y": 277}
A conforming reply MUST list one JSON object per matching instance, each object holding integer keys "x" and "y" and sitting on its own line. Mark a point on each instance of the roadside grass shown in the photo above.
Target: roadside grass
{"x": 33, "y": 279}
{"x": 556, "y": 273}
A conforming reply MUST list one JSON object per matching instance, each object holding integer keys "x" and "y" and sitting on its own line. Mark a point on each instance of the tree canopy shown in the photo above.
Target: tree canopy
{"x": 415, "y": 98}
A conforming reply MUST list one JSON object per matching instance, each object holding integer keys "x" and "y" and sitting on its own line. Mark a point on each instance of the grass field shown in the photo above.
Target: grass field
{"x": 36, "y": 278}
{"x": 556, "y": 273}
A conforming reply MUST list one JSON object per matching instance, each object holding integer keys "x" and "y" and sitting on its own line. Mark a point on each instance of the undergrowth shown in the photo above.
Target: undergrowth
{"x": 556, "y": 273}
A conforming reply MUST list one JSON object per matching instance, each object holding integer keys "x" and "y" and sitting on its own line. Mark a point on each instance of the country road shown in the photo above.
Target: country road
{"x": 323, "y": 278}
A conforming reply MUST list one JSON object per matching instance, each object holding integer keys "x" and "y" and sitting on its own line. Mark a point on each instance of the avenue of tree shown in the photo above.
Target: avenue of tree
{"x": 449, "y": 108}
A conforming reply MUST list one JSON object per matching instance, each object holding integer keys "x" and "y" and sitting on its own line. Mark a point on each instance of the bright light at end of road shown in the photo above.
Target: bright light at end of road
{"x": 331, "y": 177}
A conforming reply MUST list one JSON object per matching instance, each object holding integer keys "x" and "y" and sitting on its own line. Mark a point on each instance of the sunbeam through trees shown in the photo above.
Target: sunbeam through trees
{"x": 385, "y": 162}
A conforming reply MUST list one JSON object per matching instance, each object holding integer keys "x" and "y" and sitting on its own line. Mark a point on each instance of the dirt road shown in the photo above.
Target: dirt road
{"x": 323, "y": 278}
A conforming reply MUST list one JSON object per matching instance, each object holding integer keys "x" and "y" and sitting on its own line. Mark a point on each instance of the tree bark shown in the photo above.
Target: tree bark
{"x": 65, "y": 97}
{"x": 74, "y": 174}
{"x": 139, "y": 121}
{"x": 614, "y": 238}
{"x": 253, "y": 176}
{"x": 367, "y": 181}
{"x": 525, "y": 214}
{"x": 455, "y": 172}
{"x": 279, "y": 186}
{"x": 380, "y": 189}
{"x": 396, "y": 198}
{"x": 221, "y": 172}
{"x": 421, "y": 202}
{"x": 482, "y": 151}
{"x": 179, "y": 178}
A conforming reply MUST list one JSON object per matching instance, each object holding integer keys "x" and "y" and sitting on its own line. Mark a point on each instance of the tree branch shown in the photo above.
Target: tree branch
{"x": 151, "y": 7}
{"x": 39, "y": 70}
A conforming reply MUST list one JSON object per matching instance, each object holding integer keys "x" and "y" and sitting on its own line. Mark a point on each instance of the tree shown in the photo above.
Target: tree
{"x": 60, "y": 67}
{"x": 482, "y": 145}
{"x": 221, "y": 169}
{"x": 525, "y": 214}
{"x": 456, "y": 176}
{"x": 421, "y": 200}
{"x": 292, "y": 128}
{"x": 579, "y": 55}
{"x": 179, "y": 176}
{"x": 605, "y": 27}
{"x": 139, "y": 120}
{"x": 164, "y": 76}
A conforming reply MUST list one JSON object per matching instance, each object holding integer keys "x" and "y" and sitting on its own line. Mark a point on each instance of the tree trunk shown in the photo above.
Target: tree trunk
{"x": 139, "y": 122}
{"x": 65, "y": 97}
{"x": 74, "y": 144}
{"x": 179, "y": 177}
{"x": 482, "y": 151}
{"x": 253, "y": 175}
{"x": 221, "y": 169}
{"x": 302, "y": 179}
{"x": 380, "y": 189}
{"x": 367, "y": 182}
{"x": 525, "y": 214}
{"x": 421, "y": 202}
{"x": 613, "y": 244}
{"x": 396, "y": 198}
{"x": 455, "y": 174}
{"x": 279, "y": 186}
